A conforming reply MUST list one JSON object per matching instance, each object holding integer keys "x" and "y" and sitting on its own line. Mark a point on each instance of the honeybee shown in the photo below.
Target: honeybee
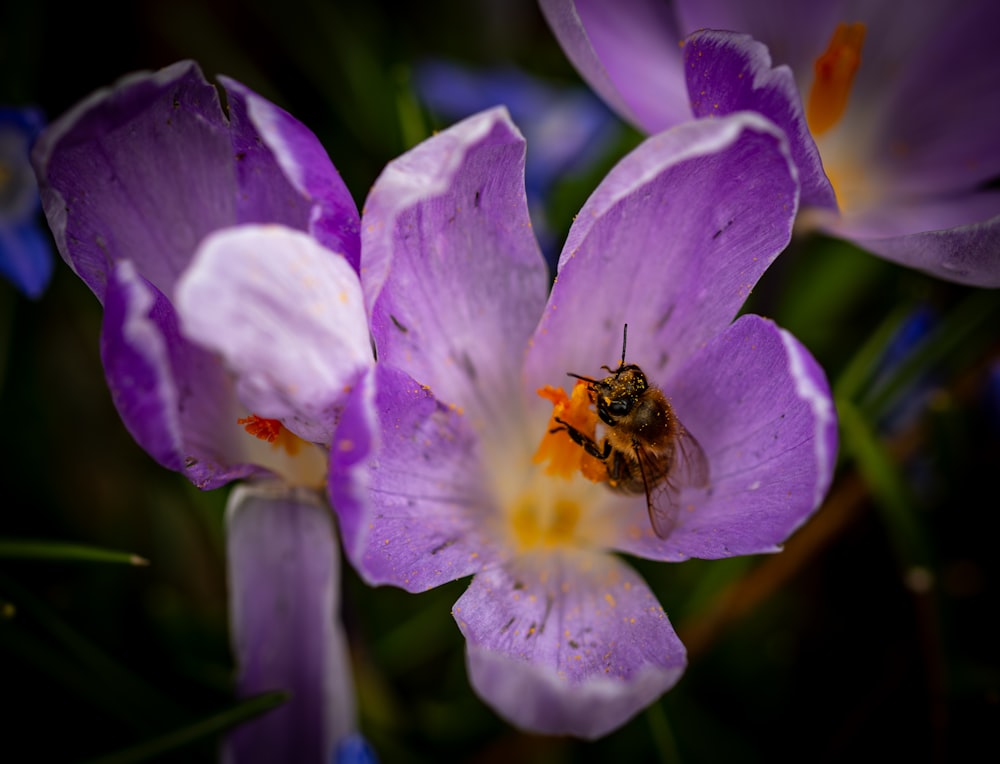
{"x": 645, "y": 447}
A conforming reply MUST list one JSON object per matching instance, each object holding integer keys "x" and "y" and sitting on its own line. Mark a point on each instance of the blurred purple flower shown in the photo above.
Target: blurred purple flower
{"x": 567, "y": 129}
{"x": 911, "y": 399}
{"x": 25, "y": 252}
{"x": 889, "y": 115}
{"x": 228, "y": 350}
{"x": 437, "y": 480}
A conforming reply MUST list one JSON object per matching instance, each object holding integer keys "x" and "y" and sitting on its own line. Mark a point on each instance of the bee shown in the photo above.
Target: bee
{"x": 645, "y": 447}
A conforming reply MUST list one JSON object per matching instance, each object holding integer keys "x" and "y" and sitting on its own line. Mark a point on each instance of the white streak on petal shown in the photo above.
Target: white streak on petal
{"x": 822, "y": 407}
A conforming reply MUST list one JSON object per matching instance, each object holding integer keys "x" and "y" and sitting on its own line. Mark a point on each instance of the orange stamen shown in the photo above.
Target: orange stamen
{"x": 565, "y": 457}
{"x": 272, "y": 431}
{"x": 834, "y": 76}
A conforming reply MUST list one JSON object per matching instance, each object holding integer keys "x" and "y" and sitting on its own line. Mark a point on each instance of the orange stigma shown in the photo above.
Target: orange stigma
{"x": 834, "y": 76}
{"x": 272, "y": 431}
{"x": 566, "y": 458}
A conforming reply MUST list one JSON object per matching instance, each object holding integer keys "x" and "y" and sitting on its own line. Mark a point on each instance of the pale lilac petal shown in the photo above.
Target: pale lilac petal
{"x": 409, "y": 487}
{"x": 284, "y": 585}
{"x": 943, "y": 117}
{"x": 145, "y": 169}
{"x": 729, "y": 72}
{"x": 629, "y": 53}
{"x": 794, "y": 32}
{"x": 139, "y": 171}
{"x": 286, "y": 314}
{"x": 452, "y": 271}
{"x": 968, "y": 254}
{"x": 569, "y": 643}
{"x": 760, "y": 406}
{"x": 671, "y": 243}
{"x": 301, "y": 158}
{"x": 174, "y": 398}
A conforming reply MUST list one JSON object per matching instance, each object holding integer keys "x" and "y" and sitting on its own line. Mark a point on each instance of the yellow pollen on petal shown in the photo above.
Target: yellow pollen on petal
{"x": 834, "y": 72}
{"x": 559, "y": 453}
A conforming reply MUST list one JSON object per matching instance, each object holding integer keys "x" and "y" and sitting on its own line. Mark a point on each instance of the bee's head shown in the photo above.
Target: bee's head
{"x": 617, "y": 394}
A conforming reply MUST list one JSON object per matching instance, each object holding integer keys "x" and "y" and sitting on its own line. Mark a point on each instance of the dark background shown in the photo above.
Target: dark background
{"x": 874, "y": 634}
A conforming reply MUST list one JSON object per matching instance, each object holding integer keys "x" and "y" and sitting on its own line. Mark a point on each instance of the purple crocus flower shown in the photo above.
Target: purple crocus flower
{"x": 890, "y": 116}
{"x": 441, "y": 478}
{"x": 25, "y": 252}
{"x": 142, "y": 184}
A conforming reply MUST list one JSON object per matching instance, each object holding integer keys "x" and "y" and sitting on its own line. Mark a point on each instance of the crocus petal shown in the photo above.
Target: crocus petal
{"x": 671, "y": 243}
{"x": 173, "y": 397}
{"x": 453, "y": 274}
{"x": 939, "y": 136}
{"x": 571, "y": 643}
{"x": 286, "y": 314}
{"x": 333, "y": 219}
{"x": 284, "y": 582}
{"x": 968, "y": 254}
{"x": 145, "y": 169}
{"x": 760, "y": 407}
{"x": 414, "y": 508}
{"x": 729, "y": 72}
{"x": 140, "y": 171}
{"x": 628, "y": 52}
{"x": 795, "y": 32}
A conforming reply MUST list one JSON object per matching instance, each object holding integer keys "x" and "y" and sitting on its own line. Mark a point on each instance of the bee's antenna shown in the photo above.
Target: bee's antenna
{"x": 585, "y": 379}
{"x": 624, "y": 341}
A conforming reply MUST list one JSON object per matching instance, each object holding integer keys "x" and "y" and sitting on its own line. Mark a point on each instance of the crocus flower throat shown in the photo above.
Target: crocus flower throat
{"x": 853, "y": 183}
{"x": 554, "y": 507}
{"x": 275, "y": 447}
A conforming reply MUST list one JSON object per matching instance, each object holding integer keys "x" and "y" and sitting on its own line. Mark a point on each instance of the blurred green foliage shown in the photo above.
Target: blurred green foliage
{"x": 873, "y": 634}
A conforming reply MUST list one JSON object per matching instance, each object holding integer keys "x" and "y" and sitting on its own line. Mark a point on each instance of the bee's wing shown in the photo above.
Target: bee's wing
{"x": 688, "y": 467}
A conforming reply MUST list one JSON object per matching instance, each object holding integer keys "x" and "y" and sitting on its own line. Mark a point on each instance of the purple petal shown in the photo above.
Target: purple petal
{"x": 570, "y": 643}
{"x": 729, "y": 72}
{"x": 140, "y": 171}
{"x": 968, "y": 254}
{"x": 174, "y": 398}
{"x": 145, "y": 169}
{"x": 301, "y": 161}
{"x": 453, "y": 274}
{"x": 671, "y": 243}
{"x": 284, "y": 582}
{"x": 286, "y": 314}
{"x": 760, "y": 406}
{"x": 939, "y": 134}
{"x": 794, "y": 32}
{"x": 629, "y": 53}
{"x": 408, "y": 486}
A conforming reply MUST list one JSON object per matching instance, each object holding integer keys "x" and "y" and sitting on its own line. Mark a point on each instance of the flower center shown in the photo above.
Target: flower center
{"x": 834, "y": 76}
{"x": 278, "y": 449}
{"x": 555, "y": 507}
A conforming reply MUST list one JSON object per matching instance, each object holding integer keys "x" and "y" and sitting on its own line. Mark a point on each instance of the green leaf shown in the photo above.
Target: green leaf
{"x": 199, "y": 730}
{"x": 893, "y": 497}
{"x": 32, "y": 549}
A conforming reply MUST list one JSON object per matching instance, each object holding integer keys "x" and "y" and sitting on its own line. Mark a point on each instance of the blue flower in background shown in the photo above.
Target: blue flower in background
{"x": 568, "y": 129}
{"x": 25, "y": 253}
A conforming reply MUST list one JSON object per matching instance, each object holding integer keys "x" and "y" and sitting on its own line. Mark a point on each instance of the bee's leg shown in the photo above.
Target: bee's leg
{"x": 583, "y": 441}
